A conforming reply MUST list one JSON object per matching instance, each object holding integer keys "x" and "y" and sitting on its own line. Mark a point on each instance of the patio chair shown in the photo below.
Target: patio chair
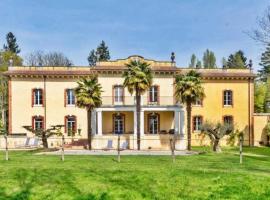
{"x": 26, "y": 144}
{"x": 109, "y": 145}
{"x": 124, "y": 145}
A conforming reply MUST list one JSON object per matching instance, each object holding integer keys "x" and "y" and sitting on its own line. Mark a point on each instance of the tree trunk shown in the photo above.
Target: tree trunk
{"x": 89, "y": 130}
{"x": 138, "y": 112}
{"x": 188, "y": 108}
{"x": 216, "y": 147}
{"x": 44, "y": 141}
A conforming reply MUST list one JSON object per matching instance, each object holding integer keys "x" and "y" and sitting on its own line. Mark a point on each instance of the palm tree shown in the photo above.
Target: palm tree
{"x": 88, "y": 95}
{"x": 138, "y": 79}
{"x": 188, "y": 90}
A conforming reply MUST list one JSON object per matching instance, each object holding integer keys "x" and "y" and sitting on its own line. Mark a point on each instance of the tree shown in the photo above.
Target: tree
{"x": 237, "y": 60}
{"x": 216, "y": 131}
{"x": 193, "y": 60}
{"x": 138, "y": 78}
{"x": 11, "y": 44}
{"x": 102, "y": 53}
{"x": 188, "y": 89}
{"x": 54, "y": 59}
{"x": 262, "y": 33}
{"x": 224, "y": 63}
{"x": 267, "y": 132}
{"x": 259, "y": 96}
{"x": 267, "y": 97}
{"x": 92, "y": 58}
{"x": 6, "y": 56}
{"x": 3, "y": 100}
{"x": 88, "y": 95}
{"x": 209, "y": 59}
{"x": 265, "y": 63}
{"x": 44, "y": 134}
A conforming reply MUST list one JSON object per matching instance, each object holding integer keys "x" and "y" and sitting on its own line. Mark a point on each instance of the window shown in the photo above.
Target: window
{"x": 198, "y": 102}
{"x": 227, "y": 98}
{"x": 228, "y": 120}
{"x": 38, "y": 123}
{"x": 70, "y": 125}
{"x": 70, "y": 97}
{"x": 37, "y": 97}
{"x": 153, "y": 123}
{"x": 119, "y": 124}
{"x": 197, "y": 123}
{"x": 153, "y": 94}
{"x": 118, "y": 94}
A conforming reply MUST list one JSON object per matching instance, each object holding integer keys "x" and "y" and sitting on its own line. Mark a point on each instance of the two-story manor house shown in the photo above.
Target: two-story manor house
{"x": 44, "y": 96}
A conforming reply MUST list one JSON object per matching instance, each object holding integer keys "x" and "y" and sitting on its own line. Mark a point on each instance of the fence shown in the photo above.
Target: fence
{"x": 171, "y": 144}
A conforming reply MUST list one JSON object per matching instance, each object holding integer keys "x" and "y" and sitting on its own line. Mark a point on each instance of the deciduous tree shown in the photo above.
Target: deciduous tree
{"x": 209, "y": 59}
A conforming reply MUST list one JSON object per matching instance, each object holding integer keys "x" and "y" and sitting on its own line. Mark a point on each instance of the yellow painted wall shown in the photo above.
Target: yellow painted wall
{"x": 166, "y": 120}
{"x": 260, "y": 121}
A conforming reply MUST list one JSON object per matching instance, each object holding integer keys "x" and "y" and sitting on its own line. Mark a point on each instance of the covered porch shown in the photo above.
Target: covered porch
{"x": 158, "y": 125}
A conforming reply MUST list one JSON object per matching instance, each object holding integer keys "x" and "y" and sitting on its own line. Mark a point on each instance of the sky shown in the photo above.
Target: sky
{"x": 150, "y": 28}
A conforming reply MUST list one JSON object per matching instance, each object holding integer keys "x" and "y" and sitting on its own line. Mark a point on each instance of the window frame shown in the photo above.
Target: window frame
{"x": 195, "y": 123}
{"x": 37, "y": 98}
{"x": 227, "y": 102}
{"x": 118, "y": 98}
{"x": 70, "y": 100}
{"x": 200, "y": 104}
{"x": 74, "y": 128}
{"x": 149, "y": 123}
{"x": 34, "y": 118}
{"x": 114, "y": 123}
{"x": 153, "y": 94}
{"x": 228, "y": 116}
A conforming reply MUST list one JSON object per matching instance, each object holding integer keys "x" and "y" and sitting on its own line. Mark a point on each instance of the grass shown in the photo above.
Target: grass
{"x": 204, "y": 176}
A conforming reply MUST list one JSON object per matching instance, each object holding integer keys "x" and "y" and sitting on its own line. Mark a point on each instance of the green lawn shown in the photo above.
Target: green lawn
{"x": 204, "y": 176}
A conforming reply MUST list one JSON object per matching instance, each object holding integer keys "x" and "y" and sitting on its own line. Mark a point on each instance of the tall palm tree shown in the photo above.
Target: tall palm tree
{"x": 188, "y": 89}
{"x": 88, "y": 95}
{"x": 138, "y": 79}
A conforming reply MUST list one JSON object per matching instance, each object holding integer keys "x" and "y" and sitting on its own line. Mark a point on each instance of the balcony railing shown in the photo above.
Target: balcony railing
{"x": 131, "y": 100}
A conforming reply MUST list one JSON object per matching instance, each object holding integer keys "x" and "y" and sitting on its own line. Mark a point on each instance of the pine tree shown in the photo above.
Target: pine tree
{"x": 209, "y": 59}
{"x": 193, "y": 60}
{"x": 224, "y": 63}
{"x": 11, "y": 45}
{"x": 102, "y": 53}
{"x": 237, "y": 60}
{"x": 265, "y": 63}
{"x": 92, "y": 58}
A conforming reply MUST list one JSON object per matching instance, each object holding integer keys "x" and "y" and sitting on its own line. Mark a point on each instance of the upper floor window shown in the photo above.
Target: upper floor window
{"x": 227, "y": 98}
{"x": 153, "y": 123}
{"x": 70, "y": 124}
{"x": 118, "y": 93}
{"x": 228, "y": 119}
{"x": 37, "y": 97}
{"x": 197, "y": 123}
{"x": 153, "y": 94}
{"x": 70, "y": 97}
{"x": 119, "y": 124}
{"x": 38, "y": 123}
{"x": 198, "y": 102}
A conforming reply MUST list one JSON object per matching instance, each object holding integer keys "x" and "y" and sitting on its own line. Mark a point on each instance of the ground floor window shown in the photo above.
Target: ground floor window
{"x": 228, "y": 119}
{"x": 119, "y": 123}
{"x": 38, "y": 122}
{"x": 153, "y": 123}
{"x": 71, "y": 124}
{"x": 197, "y": 123}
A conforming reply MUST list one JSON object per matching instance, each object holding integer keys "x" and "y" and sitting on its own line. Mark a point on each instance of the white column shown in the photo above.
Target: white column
{"x": 182, "y": 122}
{"x": 142, "y": 122}
{"x": 94, "y": 122}
{"x": 135, "y": 123}
{"x": 176, "y": 123}
{"x": 99, "y": 122}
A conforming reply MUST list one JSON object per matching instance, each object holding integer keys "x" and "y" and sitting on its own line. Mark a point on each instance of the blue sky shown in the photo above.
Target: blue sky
{"x": 151, "y": 28}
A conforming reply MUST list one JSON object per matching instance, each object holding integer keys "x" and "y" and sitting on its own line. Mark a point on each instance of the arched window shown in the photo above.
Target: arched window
{"x": 153, "y": 123}
{"x": 227, "y": 98}
{"x": 118, "y": 123}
